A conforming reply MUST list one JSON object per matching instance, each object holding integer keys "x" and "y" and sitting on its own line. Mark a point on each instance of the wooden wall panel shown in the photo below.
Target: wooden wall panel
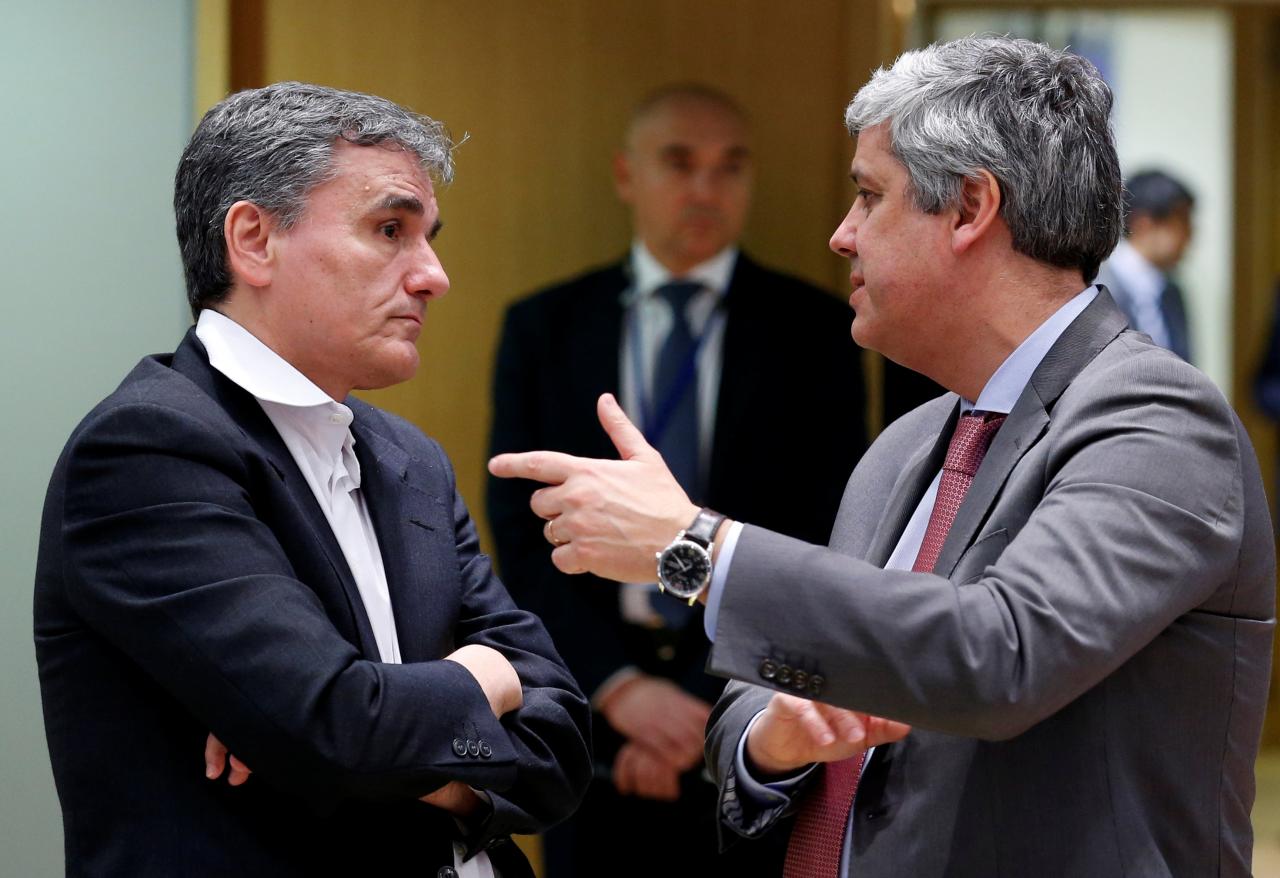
{"x": 543, "y": 91}
{"x": 1257, "y": 246}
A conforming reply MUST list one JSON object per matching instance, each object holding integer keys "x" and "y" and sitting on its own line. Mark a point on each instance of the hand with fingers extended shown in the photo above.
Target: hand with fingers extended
{"x": 639, "y": 771}
{"x": 659, "y": 716}
{"x": 793, "y": 732}
{"x": 216, "y": 758}
{"x": 610, "y": 517}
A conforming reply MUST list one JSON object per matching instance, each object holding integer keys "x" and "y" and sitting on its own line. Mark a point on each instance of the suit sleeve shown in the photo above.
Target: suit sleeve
{"x": 549, "y": 732}
{"x": 581, "y": 612}
{"x": 1136, "y": 518}
{"x": 167, "y": 557}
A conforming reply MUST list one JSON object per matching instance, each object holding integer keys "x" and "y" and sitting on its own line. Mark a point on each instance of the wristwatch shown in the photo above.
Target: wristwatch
{"x": 684, "y": 567}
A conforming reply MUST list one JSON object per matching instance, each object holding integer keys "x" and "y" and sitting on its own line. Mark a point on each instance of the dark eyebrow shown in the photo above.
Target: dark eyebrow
{"x": 402, "y": 202}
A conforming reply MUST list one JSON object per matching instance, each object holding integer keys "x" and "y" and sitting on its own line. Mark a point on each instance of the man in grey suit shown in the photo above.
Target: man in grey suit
{"x": 1060, "y": 573}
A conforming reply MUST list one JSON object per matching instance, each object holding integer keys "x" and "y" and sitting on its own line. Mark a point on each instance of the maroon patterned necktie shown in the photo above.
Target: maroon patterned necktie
{"x": 813, "y": 851}
{"x": 969, "y": 445}
{"x": 818, "y": 836}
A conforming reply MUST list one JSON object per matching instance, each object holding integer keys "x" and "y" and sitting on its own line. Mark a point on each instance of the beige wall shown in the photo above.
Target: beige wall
{"x": 543, "y": 91}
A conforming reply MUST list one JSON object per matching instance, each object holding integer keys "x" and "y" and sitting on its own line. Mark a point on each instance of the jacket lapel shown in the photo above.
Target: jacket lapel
{"x": 593, "y": 357}
{"x": 192, "y": 361}
{"x": 1087, "y": 335}
{"x": 408, "y": 522}
{"x": 745, "y": 340}
{"x": 916, "y": 475}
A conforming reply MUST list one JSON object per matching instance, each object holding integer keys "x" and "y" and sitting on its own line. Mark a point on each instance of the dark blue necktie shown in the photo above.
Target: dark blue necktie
{"x": 675, "y": 396}
{"x": 675, "y": 390}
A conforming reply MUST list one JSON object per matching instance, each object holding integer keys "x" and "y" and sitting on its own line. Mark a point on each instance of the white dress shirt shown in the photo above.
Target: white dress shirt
{"x": 999, "y": 395}
{"x": 317, "y": 432}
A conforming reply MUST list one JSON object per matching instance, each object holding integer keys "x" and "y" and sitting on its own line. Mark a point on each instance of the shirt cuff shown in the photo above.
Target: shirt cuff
{"x": 771, "y": 793}
{"x": 718, "y": 575}
{"x": 749, "y": 807}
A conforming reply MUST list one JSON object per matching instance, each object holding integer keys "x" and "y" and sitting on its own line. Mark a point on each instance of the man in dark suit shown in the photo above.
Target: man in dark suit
{"x": 1061, "y": 573}
{"x": 1157, "y": 230}
{"x": 730, "y": 366}
{"x": 236, "y": 554}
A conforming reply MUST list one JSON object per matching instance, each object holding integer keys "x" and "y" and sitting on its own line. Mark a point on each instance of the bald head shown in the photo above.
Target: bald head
{"x": 685, "y": 172}
{"x": 682, "y": 96}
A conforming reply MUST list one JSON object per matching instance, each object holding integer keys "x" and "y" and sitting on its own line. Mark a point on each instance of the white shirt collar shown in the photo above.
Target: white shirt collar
{"x": 647, "y": 273}
{"x": 1007, "y": 383}
{"x": 316, "y": 429}
{"x": 238, "y": 354}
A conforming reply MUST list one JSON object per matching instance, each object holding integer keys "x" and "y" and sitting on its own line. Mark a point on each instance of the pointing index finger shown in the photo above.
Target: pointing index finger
{"x": 548, "y": 467}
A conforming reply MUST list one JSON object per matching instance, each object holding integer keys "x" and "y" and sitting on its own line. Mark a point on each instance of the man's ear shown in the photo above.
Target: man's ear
{"x": 248, "y": 230}
{"x": 980, "y": 201}
{"x": 622, "y": 176}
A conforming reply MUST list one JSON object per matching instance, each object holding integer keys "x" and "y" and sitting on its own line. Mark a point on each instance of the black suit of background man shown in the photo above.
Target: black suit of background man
{"x": 788, "y": 428}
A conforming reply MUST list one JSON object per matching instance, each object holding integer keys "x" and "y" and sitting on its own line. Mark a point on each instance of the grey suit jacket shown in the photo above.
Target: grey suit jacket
{"x": 1087, "y": 670}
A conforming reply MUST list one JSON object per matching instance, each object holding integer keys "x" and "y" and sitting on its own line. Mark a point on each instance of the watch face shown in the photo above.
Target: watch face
{"x": 684, "y": 569}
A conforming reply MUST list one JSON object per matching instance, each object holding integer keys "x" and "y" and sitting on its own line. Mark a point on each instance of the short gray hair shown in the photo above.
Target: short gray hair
{"x": 272, "y": 146}
{"x": 1037, "y": 119}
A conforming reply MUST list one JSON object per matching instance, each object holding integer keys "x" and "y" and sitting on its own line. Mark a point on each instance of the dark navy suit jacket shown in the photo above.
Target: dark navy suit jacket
{"x": 187, "y": 582}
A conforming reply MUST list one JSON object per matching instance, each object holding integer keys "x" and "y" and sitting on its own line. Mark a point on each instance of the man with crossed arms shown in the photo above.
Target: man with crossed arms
{"x": 1060, "y": 574}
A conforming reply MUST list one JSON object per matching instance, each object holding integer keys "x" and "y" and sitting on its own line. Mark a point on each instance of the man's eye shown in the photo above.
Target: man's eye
{"x": 389, "y": 230}
{"x": 865, "y": 196}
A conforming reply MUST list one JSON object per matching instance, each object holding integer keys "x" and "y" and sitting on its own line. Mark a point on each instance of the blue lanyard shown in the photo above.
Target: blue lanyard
{"x": 654, "y": 421}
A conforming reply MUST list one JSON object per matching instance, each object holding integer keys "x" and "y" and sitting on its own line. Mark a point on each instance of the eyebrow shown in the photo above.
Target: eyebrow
{"x": 861, "y": 176}
{"x": 412, "y": 205}
{"x": 402, "y": 202}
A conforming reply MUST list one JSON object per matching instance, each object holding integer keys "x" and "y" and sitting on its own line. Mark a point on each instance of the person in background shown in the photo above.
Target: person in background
{"x": 1139, "y": 274}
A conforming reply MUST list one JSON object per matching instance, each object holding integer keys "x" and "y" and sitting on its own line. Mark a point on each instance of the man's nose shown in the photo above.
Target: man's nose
{"x": 427, "y": 277}
{"x": 844, "y": 241}
{"x": 704, "y": 185}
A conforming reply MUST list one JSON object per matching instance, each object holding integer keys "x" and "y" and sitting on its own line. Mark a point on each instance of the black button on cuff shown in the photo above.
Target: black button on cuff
{"x": 816, "y": 682}
{"x": 784, "y": 675}
{"x": 768, "y": 669}
{"x": 485, "y": 750}
{"x": 799, "y": 680}
{"x": 473, "y": 748}
{"x": 460, "y": 746}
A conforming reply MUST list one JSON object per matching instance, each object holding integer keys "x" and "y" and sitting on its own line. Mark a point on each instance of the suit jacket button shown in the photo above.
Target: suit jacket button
{"x": 784, "y": 675}
{"x": 799, "y": 680}
{"x": 485, "y": 750}
{"x": 473, "y": 748}
{"x": 447, "y": 872}
{"x": 815, "y": 684}
{"x": 460, "y": 746}
{"x": 768, "y": 669}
